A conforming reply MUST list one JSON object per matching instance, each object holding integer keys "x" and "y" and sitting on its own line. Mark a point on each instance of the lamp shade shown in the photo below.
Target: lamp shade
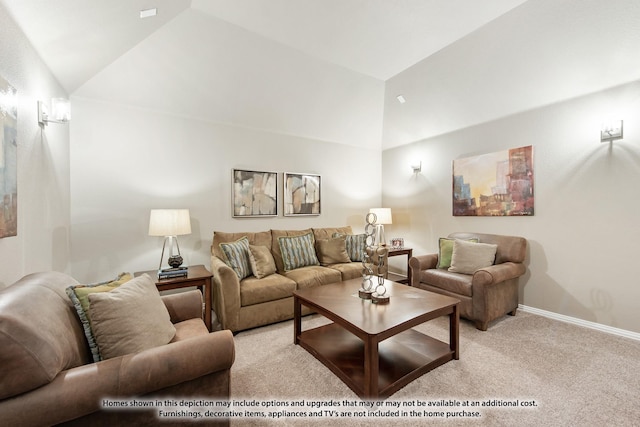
{"x": 383, "y": 215}
{"x": 169, "y": 222}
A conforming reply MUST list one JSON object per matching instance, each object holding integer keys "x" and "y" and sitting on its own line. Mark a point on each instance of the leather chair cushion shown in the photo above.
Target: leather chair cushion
{"x": 456, "y": 283}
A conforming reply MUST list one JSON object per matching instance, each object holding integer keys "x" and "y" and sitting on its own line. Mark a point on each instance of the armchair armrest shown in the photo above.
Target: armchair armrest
{"x": 83, "y": 389}
{"x": 226, "y": 293}
{"x": 184, "y": 305}
{"x": 498, "y": 273}
{"x": 423, "y": 262}
{"x": 419, "y": 263}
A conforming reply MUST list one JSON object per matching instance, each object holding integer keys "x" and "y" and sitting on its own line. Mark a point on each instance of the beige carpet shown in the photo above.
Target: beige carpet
{"x": 576, "y": 376}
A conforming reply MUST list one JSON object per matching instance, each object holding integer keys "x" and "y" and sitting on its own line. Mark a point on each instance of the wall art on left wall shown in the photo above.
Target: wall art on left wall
{"x": 254, "y": 193}
{"x": 8, "y": 160}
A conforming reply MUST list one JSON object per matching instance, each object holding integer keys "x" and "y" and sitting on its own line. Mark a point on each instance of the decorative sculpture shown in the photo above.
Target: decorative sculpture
{"x": 376, "y": 293}
{"x": 367, "y": 288}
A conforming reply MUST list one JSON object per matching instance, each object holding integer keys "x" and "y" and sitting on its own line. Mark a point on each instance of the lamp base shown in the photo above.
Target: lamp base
{"x": 175, "y": 261}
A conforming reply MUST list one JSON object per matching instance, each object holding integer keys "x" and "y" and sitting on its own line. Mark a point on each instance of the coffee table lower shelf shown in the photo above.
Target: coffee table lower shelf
{"x": 402, "y": 357}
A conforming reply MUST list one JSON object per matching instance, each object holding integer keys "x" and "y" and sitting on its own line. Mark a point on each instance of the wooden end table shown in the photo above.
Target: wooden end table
{"x": 403, "y": 251}
{"x": 198, "y": 276}
{"x": 372, "y": 348}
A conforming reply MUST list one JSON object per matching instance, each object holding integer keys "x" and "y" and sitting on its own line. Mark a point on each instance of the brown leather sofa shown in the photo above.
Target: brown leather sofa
{"x": 488, "y": 293}
{"x": 47, "y": 376}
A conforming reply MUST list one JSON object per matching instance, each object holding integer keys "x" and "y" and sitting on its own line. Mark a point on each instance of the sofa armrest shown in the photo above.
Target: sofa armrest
{"x": 226, "y": 293}
{"x": 184, "y": 305}
{"x": 80, "y": 391}
{"x": 498, "y": 273}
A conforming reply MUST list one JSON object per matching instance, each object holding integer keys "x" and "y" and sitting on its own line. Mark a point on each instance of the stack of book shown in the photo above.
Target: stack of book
{"x": 170, "y": 273}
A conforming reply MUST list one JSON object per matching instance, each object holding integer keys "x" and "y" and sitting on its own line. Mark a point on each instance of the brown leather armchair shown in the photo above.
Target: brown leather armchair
{"x": 485, "y": 295}
{"x": 47, "y": 376}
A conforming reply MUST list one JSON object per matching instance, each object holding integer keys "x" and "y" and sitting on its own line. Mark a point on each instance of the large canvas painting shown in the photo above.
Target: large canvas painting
{"x": 254, "y": 193}
{"x": 8, "y": 160}
{"x": 494, "y": 184}
{"x": 301, "y": 194}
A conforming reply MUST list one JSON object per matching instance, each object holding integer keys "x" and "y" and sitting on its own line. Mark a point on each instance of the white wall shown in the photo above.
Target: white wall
{"x": 164, "y": 125}
{"x": 540, "y": 53}
{"x": 546, "y": 74}
{"x": 43, "y": 164}
{"x": 156, "y": 160}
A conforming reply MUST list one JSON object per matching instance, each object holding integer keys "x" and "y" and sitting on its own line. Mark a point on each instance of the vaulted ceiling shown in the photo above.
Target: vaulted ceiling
{"x": 377, "y": 38}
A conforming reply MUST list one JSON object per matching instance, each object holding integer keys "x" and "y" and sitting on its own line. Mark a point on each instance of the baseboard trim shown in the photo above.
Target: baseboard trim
{"x": 580, "y": 322}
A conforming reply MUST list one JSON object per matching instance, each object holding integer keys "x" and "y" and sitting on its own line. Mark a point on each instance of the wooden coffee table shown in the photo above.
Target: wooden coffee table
{"x": 371, "y": 347}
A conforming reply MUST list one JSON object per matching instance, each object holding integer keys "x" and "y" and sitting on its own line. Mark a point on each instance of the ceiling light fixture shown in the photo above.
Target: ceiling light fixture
{"x": 147, "y": 13}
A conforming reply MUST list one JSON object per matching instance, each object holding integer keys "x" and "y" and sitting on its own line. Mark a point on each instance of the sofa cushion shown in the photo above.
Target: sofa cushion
{"x": 262, "y": 238}
{"x": 468, "y": 257}
{"x": 130, "y": 318}
{"x": 79, "y": 295}
{"x": 456, "y": 283}
{"x": 348, "y": 270}
{"x": 329, "y": 232}
{"x": 356, "y": 244}
{"x": 270, "y": 288}
{"x": 307, "y": 277}
{"x": 275, "y": 246}
{"x": 236, "y": 255}
{"x": 261, "y": 260}
{"x": 332, "y": 251}
{"x": 33, "y": 311}
{"x": 445, "y": 250}
{"x": 298, "y": 251}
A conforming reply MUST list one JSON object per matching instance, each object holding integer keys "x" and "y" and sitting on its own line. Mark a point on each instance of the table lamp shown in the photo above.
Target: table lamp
{"x": 383, "y": 216}
{"x": 170, "y": 223}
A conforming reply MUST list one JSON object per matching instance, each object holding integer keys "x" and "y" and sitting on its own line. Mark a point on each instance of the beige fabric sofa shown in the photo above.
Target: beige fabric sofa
{"x": 486, "y": 294}
{"x": 251, "y": 302}
{"x": 47, "y": 374}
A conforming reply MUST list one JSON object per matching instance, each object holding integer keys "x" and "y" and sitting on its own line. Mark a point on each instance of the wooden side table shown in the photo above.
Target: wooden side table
{"x": 403, "y": 251}
{"x": 198, "y": 276}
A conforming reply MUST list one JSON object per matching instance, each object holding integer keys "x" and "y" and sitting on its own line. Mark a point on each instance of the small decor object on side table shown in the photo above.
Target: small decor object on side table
{"x": 397, "y": 243}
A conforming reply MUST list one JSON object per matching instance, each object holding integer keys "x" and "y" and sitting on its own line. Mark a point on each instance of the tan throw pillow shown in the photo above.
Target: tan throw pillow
{"x": 468, "y": 257}
{"x": 130, "y": 318}
{"x": 261, "y": 260}
{"x": 332, "y": 251}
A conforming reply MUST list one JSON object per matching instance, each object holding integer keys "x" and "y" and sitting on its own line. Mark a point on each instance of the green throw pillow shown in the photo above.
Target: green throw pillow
{"x": 445, "y": 251}
{"x": 237, "y": 256}
{"x": 298, "y": 251}
{"x": 79, "y": 295}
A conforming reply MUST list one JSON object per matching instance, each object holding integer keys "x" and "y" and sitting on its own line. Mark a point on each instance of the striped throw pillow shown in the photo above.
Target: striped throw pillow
{"x": 237, "y": 254}
{"x": 298, "y": 251}
{"x": 356, "y": 244}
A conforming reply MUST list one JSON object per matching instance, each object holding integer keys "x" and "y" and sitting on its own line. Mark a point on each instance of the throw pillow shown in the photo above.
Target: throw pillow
{"x": 79, "y": 295}
{"x": 237, "y": 256}
{"x": 468, "y": 257}
{"x": 298, "y": 251}
{"x": 130, "y": 318}
{"x": 445, "y": 250}
{"x": 261, "y": 260}
{"x": 356, "y": 244}
{"x": 332, "y": 251}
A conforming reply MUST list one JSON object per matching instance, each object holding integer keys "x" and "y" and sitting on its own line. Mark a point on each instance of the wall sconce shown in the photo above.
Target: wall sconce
{"x": 60, "y": 112}
{"x": 417, "y": 167}
{"x": 611, "y": 130}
